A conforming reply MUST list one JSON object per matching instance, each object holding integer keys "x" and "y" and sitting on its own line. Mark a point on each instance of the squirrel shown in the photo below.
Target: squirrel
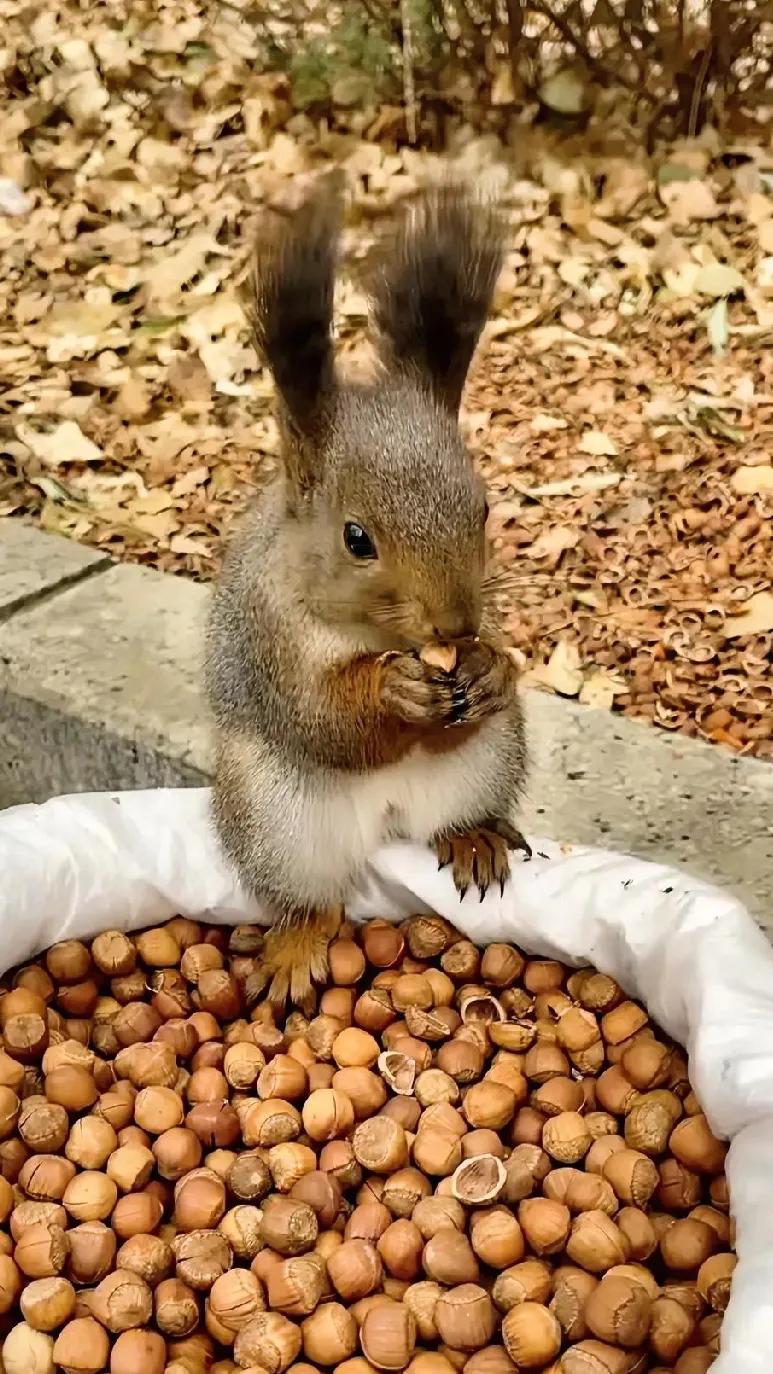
{"x": 332, "y": 734}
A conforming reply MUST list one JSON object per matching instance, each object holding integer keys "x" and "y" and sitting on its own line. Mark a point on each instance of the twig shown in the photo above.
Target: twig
{"x": 697, "y": 92}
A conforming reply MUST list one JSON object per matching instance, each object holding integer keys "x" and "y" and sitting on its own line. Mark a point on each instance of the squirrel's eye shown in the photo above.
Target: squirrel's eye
{"x": 358, "y": 541}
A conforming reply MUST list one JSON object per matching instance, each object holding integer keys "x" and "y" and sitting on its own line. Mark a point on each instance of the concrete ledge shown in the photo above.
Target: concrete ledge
{"x": 100, "y": 688}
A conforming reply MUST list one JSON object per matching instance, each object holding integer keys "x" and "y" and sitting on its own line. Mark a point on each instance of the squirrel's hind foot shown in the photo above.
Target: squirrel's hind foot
{"x": 294, "y": 958}
{"x": 480, "y": 855}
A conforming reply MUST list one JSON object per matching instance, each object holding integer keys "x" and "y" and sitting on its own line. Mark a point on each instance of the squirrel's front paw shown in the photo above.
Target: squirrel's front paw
{"x": 484, "y": 682}
{"x": 417, "y": 692}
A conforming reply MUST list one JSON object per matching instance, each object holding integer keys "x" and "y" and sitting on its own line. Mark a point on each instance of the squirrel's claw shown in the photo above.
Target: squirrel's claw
{"x": 295, "y": 957}
{"x": 479, "y": 858}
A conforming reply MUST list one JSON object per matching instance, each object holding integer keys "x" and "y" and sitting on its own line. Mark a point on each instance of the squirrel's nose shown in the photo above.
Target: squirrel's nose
{"x": 460, "y": 624}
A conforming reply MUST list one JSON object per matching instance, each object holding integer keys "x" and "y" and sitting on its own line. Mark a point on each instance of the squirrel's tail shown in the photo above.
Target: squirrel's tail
{"x": 432, "y": 290}
{"x": 292, "y": 302}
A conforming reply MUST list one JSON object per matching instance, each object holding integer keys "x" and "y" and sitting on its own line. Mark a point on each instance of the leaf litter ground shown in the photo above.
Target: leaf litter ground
{"x": 621, "y": 404}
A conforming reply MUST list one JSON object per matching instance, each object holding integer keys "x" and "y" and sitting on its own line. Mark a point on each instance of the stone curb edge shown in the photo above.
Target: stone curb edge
{"x": 100, "y": 688}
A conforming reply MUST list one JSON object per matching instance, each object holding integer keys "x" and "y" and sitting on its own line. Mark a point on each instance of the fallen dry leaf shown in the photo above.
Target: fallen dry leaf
{"x": 562, "y": 672}
{"x": 751, "y": 481}
{"x": 600, "y": 688}
{"x": 65, "y": 444}
{"x": 597, "y": 444}
{"x": 689, "y": 200}
{"x": 753, "y": 618}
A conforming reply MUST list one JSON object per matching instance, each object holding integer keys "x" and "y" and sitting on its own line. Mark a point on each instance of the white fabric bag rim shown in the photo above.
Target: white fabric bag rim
{"x": 689, "y": 951}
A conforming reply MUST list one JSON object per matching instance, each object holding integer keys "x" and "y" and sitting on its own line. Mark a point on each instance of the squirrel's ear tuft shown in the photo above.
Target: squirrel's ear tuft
{"x": 292, "y": 306}
{"x": 432, "y": 290}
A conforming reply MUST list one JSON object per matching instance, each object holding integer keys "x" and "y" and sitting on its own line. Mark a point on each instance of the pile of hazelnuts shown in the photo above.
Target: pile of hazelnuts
{"x": 460, "y": 1159}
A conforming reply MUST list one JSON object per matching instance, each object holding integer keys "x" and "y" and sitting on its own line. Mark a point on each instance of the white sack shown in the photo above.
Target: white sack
{"x": 689, "y": 951}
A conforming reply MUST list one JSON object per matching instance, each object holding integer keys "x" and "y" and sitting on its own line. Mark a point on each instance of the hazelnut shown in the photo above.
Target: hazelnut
{"x": 47, "y": 1303}
{"x": 138, "y": 1350}
{"x": 647, "y": 1128}
{"x": 296, "y": 1285}
{"x": 693, "y": 1145}
{"x": 528, "y": 1281}
{"x": 595, "y": 1357}
{"x": 671, "y": 1327}
{"x": 199, "y": 1200}
{"x": 527, "y": 1166}
{"x": 158, "y": 947}
{"x": 715, "y": 1277}
{"x": 599, "y": 1152}
{"x": 329, "y": 1334}
{"x": 449, "y": 1258}
{"x": 241, "y": 1228}
{"x": 176, "y": 1152}
{"x": 679, "y": 1188}
{"x": 596, "y": 1243}
{"x": 158, "y": 1109}
{"x": 41, "y": 1250}
{"x": 283, "y": 1077}
{"x": 355, "y": 1270}
{"x": 580, "y": 1192}
{"x": 364, "y": 1089}
{"x": 388, "y": 1336}
{"x": 346, "y": 962}
{"x": 497, "y": 1238}
{"x": 368, "y": 1221}
{"x": 121, "y": 1301}
{"x": 92, "y": 1248}
{"x": 268, "y": 1122}
{"x": 82, "y": 1347}
{"x": 201, "y": 1257}
{"x": 269, "y": 1341}
{"x": 355, "y": 1048}
{"x": 403, "y": 1190}
{"x": 545, "y": 1224}
{"x": 380, "y": 1145}
{"x": 148, "y": 1256}
{"x": 176, "y": 1308}
{"x": 90, "y": 1143}
{"x": 42, "y": 1125}
{"x": 558, "y": 1094}
{"x": 235, "y": 1297}
{"x": 130, "y": 1167}
{"x": 327, "y": 1114}
{"x": 249, "y": 1177}
{"x": 45, "y": 1177}
{"x": 566, "y": 1137}
{"x": 687, "y": 1244}
{"x": 28, "y": 1212}
{"x": 27, "y": 1351}
{"x": 400, "y": 1248}
{"x": 572, "y": 1288}
{"x": 437, "y": 1151}
{"x": 489, "y": 1104}
{"x": 492, "y": 1359}
{"x": 383, "y": 943}
{"x": 531, "y": 1335}
{"x": 465, "y": 1317}
{"x": 11, "y": 1286}
{"x": 113, "y": 953}
{"x": 638, "y": 1231}
{"x": 618, "y": 1311}
{"x": 421, "y": 1300}
{"x": 136, "y": 1214}
{"x": 632, "y": 1175}
{"x": 288, "y": 1226}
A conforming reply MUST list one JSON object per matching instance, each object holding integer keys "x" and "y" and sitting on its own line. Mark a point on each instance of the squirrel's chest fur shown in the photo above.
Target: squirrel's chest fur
{"x": 310, "y": 832}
